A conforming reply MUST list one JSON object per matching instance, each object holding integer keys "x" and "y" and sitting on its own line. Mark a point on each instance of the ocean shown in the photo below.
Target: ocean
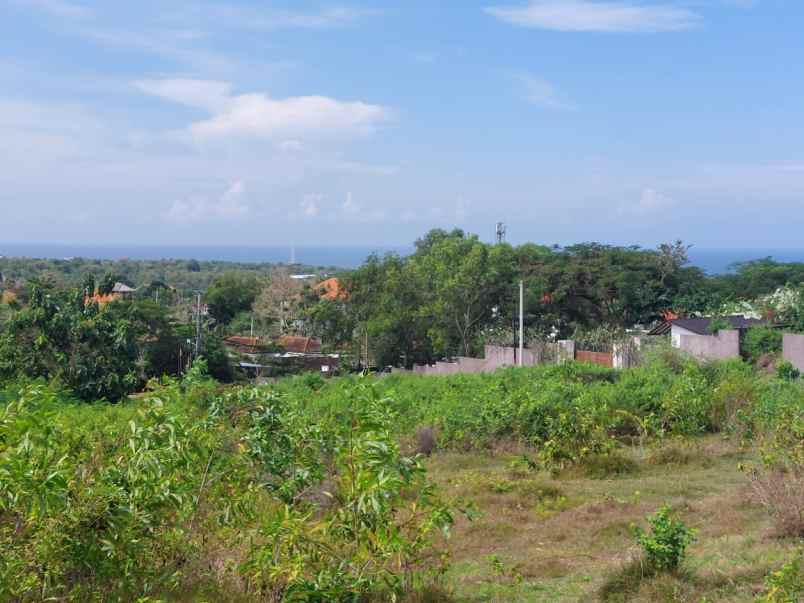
{"x": 713, "y": 261}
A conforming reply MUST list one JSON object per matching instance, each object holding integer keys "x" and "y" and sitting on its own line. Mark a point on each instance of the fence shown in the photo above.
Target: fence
{"x": 720, "y": 346}
{"x": 793, "y": 349}
{"x": 496, "y": 357}
{"x": 600, "y": 358}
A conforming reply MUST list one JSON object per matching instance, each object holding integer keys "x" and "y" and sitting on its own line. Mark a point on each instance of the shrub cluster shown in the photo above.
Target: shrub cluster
{"x": 572, "y": 412}
{"x": 192, "y": 486}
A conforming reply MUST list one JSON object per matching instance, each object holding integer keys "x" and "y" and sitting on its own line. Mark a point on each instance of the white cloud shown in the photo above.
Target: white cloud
{"x": 591, "y": 15}
{"x": 539, "y": 91}
{"x": 231, "y": 203}
{"x": 229, "y": 206}
{"x": 260, "y": 116}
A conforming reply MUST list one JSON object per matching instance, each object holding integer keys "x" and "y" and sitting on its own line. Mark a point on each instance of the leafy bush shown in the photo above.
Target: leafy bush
{"x": 787, "y": 371}
{"x": 375, "y": 537}
{"x": 786, "y": 585}
{"x": 760, "y": 341}
{"x": 666, "y": 544}
{"x": 116, "y": 503}
{"x": 686, "y": 405}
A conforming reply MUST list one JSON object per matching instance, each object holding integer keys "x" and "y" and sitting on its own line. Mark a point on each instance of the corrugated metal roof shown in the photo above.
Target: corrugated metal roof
{"x": 701, "y": 326}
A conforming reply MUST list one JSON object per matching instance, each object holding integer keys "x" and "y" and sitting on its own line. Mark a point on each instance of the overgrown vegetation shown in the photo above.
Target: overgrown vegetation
{"x": 310, "y": 490}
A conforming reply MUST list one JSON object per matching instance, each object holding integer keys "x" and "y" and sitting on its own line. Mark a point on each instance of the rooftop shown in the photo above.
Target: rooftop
{"x": 700, "y": 326}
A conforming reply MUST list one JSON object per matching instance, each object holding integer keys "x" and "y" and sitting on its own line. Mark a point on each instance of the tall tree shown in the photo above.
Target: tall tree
{"x": 279, "y": 299}
{"x": 230, "y": 293}
{"x": 463, "y": 280}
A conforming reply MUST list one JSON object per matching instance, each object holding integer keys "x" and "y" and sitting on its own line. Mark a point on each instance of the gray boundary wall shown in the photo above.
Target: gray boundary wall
{"x": 793, "y": 349}
{"x": 495, "y": 357}
{"x": 721, "y": 346}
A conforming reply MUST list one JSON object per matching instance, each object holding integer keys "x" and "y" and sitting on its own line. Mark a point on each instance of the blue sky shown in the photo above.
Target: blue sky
{"x": 262, "y": 123}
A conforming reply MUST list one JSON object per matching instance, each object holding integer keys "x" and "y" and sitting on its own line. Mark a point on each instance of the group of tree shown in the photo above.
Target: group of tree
{"x": 184, "y": 277}
{"x": 441, "y": 300}
{"x": 98, "y": 351}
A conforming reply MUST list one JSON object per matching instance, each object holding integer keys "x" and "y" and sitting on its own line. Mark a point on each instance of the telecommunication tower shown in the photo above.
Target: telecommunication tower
{"x": 500, "y": 232}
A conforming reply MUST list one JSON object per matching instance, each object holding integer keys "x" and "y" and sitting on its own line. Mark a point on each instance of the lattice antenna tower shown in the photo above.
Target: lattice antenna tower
{"x": 500, "y": 232}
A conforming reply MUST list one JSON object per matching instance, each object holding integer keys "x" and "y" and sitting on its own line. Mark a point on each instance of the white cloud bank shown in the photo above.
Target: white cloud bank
{"x": 257, "y": 115}
{"x": 229, "y": 206}
{"x": 594, "y": 16}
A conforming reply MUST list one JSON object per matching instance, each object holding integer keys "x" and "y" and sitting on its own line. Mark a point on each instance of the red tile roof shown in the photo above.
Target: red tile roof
{"x": 331, "y": 289}
{"x": 300, "y": 345}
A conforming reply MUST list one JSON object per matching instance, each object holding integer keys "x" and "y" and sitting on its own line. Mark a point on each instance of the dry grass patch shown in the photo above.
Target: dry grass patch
{"x": 781, "y": 493}
{"x": 573, "y": 550}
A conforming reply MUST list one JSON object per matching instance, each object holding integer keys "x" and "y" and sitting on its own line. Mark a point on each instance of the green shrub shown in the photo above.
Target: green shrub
{"x": 666, "y": 544}
{"x": 787, "y": 371}
{"x": 374, "y": 538}
{"x": 760, "y": 341}
{"x": 685, "y": 408}
{"x": 786, "y": 585}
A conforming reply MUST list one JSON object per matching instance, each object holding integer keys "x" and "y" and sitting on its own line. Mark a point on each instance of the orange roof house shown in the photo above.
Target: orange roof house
{"x": 331, "y": 289}
{"x": 119, "y": 291}
{"x": 300, "y": 345}
{"x": 248, "y": 345}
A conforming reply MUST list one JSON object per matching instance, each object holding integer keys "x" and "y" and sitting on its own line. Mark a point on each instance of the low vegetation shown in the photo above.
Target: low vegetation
{"x": 526, "y": 485}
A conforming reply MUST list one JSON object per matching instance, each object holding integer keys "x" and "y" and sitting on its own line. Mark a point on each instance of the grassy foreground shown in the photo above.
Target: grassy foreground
{"x": 518, "y": 486}
{"x": 569, "y": 539}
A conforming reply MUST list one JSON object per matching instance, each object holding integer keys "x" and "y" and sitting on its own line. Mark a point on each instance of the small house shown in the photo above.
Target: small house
{"x": 700, "y": 326}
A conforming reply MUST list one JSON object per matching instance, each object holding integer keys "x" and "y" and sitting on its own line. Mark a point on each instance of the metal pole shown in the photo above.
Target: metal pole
{"x": 521, "y": 321}
{"x": 198, "y": 324}
{"x": 252, "y": 326}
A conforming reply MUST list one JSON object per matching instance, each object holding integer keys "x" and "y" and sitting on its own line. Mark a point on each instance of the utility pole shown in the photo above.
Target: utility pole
{"x": 252, "y": 326}
{"x": 521, "y": 321}
{"x": 197, "y": 323}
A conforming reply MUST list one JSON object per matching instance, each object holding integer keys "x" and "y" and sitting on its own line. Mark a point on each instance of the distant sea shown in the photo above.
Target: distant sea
{"x": 713, "y": 261}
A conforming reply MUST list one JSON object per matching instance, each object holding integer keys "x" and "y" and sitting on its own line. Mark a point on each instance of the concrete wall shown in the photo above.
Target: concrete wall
{"x": 566, "y": 351}
{"x": 498, "y": 356}
{"x": 724, "y": 344}
{"x": 473, "y": 365}
{"x": 495, "y": 357}
{"x": 627, "y": 354}
{"x": 793, "y": 349}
